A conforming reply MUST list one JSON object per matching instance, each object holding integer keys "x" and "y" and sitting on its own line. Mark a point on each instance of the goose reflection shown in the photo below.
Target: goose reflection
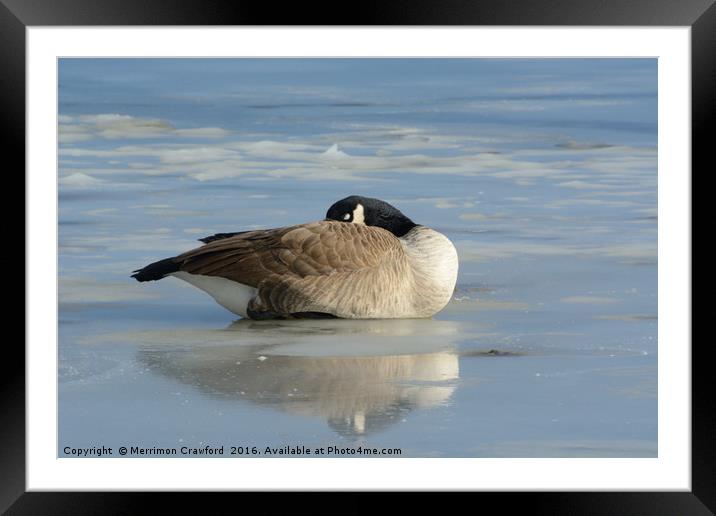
{"x": 360, "y": 376}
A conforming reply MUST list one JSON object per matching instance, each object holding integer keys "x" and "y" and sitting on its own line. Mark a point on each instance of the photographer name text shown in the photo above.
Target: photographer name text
{"x": 228, "y": 451}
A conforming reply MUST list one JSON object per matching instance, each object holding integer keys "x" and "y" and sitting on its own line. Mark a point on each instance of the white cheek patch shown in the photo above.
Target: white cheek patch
{"x": 358, "y": 216}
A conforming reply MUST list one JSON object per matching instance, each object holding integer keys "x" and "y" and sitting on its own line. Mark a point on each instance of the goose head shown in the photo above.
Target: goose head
{"x": 356, "y": 209}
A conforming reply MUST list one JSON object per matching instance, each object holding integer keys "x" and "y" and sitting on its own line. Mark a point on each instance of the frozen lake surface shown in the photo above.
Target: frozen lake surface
{"x": 542, "y": 172}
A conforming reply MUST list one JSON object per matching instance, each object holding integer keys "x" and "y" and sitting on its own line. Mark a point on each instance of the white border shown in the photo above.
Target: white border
{"x": 670, "y": 471}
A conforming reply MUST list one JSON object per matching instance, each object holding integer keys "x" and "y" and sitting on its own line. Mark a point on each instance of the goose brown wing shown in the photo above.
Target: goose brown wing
{"x": 266, "y": 258}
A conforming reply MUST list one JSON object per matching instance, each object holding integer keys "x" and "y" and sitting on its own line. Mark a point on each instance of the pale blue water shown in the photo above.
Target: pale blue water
{"x": 543, "y": 172}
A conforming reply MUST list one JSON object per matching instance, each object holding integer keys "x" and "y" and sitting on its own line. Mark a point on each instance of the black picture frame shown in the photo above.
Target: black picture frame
{"x": 700, "y": 15}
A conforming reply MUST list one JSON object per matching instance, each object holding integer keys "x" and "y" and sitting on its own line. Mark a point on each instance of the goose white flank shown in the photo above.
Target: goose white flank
{"x": 365, "y": 260}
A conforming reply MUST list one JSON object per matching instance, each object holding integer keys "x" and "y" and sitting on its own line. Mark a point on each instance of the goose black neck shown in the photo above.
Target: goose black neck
{"x": 399, "y": 227}
{"x": 381, "y": 214}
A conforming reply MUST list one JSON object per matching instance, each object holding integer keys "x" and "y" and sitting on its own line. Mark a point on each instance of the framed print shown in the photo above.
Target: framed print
{"x": 442, "y": 251}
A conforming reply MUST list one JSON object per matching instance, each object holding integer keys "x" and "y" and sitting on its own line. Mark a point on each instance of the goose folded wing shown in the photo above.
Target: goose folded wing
{"x": 284, "y": 254}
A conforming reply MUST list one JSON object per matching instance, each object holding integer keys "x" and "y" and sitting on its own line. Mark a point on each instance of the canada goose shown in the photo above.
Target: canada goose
{"x": 366, "y": 260}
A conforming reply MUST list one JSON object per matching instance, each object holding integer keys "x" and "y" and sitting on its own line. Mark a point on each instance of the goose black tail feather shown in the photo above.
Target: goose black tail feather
{"x": 157, "y": 270}
{"x": 220, "y": 236}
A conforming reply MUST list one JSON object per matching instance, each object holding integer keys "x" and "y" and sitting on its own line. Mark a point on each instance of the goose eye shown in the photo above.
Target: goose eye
{"x": 346, "y": 216}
